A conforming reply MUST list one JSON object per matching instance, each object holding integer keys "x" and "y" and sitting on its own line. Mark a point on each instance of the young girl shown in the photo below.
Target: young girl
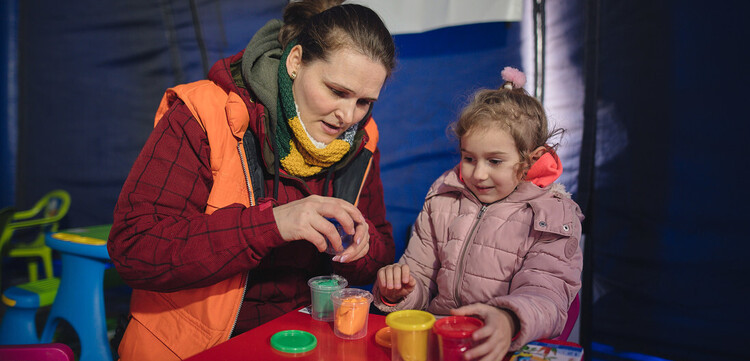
{"x": 495, "y": 238}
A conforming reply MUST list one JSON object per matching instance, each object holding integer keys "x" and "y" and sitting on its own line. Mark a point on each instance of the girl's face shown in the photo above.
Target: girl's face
{"x": 334, "y": 94}
{"x": 490, "y": 163}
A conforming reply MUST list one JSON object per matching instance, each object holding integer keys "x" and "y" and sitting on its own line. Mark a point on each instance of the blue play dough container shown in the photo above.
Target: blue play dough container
{"x": 346, "y": 239}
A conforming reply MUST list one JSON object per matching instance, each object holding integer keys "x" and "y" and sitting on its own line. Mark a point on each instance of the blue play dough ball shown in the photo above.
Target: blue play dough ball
{"x": 346, "y": 239}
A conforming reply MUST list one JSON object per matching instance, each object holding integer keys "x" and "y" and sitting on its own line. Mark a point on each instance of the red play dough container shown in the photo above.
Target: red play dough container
{"x": 454, "y": 336}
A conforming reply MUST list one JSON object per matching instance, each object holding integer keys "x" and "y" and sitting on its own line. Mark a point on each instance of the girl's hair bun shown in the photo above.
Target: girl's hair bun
{"x": 513, "y": 77}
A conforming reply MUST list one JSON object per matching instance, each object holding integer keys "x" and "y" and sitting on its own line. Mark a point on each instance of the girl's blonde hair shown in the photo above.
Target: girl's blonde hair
{"x": 514, "y": 111}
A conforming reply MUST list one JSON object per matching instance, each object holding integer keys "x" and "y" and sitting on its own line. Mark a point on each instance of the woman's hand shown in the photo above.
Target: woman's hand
{"x": 492, "y": 340}
{"x": 395, "y": 282}
{"x": 306, "y": 219}
{"x": 359, "y": 247}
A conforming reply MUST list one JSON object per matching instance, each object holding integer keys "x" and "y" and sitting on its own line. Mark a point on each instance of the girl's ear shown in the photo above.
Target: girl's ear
{"x": 294, "y": 60}
{"x": 537, "y": 153}
{"x": 533, "y": 157}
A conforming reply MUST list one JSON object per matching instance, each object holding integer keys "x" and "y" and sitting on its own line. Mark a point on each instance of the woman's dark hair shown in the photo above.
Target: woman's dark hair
{"x": 325, "y": 26}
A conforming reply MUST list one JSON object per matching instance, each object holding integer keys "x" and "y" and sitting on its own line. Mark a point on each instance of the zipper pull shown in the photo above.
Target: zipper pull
{"x": 481, "y": 211}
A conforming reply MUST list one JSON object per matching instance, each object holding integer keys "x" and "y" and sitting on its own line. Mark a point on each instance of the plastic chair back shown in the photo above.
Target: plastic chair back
{"x": 44, "y": 217}
{"x": 573, "y": 311}
{"x": 37, "y": 352}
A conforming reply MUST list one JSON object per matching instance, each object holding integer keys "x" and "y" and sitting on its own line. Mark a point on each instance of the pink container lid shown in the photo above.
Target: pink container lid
{"x": 457, "y": 326}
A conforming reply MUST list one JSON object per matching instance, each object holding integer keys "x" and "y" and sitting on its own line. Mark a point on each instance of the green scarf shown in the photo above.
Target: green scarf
{"x": 297, "y": 153}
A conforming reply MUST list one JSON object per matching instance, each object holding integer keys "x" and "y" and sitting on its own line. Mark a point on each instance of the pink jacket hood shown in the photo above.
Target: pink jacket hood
{"x": 545, "y": 170}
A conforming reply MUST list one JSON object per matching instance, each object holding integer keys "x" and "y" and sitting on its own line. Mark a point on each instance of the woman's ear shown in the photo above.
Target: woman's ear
{"x": 293, "y": 61}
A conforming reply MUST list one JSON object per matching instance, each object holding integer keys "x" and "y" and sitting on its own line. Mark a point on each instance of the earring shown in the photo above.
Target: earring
{"x": 294, "y": 75}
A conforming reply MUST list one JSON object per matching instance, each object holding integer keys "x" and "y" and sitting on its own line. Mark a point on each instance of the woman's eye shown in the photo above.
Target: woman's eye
{"x": 364, "y": 102}
{"x": 467, "y": 159}
{"x": 495, "y": 161}
{"x": 337, "y": 92}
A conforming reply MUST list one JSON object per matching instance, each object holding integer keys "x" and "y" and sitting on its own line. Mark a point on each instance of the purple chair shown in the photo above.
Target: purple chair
{"x": 36, "y": 352}
{"x": 573, "y": 311}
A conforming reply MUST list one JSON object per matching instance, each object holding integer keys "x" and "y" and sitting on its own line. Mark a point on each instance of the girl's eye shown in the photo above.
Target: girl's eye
{"x": 467, "y": 159}
{"x": 496, "y": 161}
{"x": 337, "y": 92}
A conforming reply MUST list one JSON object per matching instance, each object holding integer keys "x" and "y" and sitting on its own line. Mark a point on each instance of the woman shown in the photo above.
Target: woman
{"x": 222, "y": 219}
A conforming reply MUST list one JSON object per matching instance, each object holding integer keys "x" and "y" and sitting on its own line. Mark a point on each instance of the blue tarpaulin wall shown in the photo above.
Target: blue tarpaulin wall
{"x": 670, "y": 255}
{"x": 655, "y": 91}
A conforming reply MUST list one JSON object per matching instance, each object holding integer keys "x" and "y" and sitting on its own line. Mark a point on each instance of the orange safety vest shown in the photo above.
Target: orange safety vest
{"x": 177, "y": 325}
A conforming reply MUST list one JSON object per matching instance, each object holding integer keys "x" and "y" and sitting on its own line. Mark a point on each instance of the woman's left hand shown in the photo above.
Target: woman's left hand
{"x": 360, "y": 246}
{"x": 493, "y": 340}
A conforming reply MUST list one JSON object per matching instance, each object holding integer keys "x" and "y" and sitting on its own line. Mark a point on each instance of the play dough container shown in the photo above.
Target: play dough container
{"x": 454, "y": 336}
{"x": 410, "y": 335}
{"x": 293, "y": 342}
{"x": 351, "y": 306}
{"x": 346, "y": 239}
{"x": 321, "y": 288}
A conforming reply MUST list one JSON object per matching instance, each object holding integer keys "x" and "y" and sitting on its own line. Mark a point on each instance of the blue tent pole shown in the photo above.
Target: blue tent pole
{"x": 8, "y": 101}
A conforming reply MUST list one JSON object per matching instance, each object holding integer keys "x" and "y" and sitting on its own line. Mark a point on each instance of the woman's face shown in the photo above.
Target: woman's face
{"x": 334, "y": 94}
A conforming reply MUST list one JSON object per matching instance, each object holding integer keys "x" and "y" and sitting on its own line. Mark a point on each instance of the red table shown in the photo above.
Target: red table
{"x": 256, "y": 343}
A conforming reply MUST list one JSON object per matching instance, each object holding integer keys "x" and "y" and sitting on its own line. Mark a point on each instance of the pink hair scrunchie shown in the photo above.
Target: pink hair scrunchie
{"x": 514, "y": 76}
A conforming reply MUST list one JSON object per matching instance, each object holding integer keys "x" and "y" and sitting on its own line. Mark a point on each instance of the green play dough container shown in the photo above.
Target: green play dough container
{"x": 321, "y": 288}
{"x": 293, "y": 341}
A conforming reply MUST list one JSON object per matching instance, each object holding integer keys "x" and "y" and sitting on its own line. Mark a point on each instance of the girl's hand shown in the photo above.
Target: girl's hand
{"x": 492, "y": 340}
{"x": 395, "y": 282}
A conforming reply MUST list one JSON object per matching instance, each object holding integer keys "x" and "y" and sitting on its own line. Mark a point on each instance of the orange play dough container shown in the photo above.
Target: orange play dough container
{"x": 383, "y": 337}
{"x": 351, "y": 310}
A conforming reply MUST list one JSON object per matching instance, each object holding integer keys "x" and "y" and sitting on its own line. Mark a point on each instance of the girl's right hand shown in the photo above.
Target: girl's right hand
{"x": 493, "y": 339}
{"x": 395, "y": 282}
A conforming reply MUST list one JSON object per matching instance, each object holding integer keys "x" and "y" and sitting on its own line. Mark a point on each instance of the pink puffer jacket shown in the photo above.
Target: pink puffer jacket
{"x": 520, "y": 254}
